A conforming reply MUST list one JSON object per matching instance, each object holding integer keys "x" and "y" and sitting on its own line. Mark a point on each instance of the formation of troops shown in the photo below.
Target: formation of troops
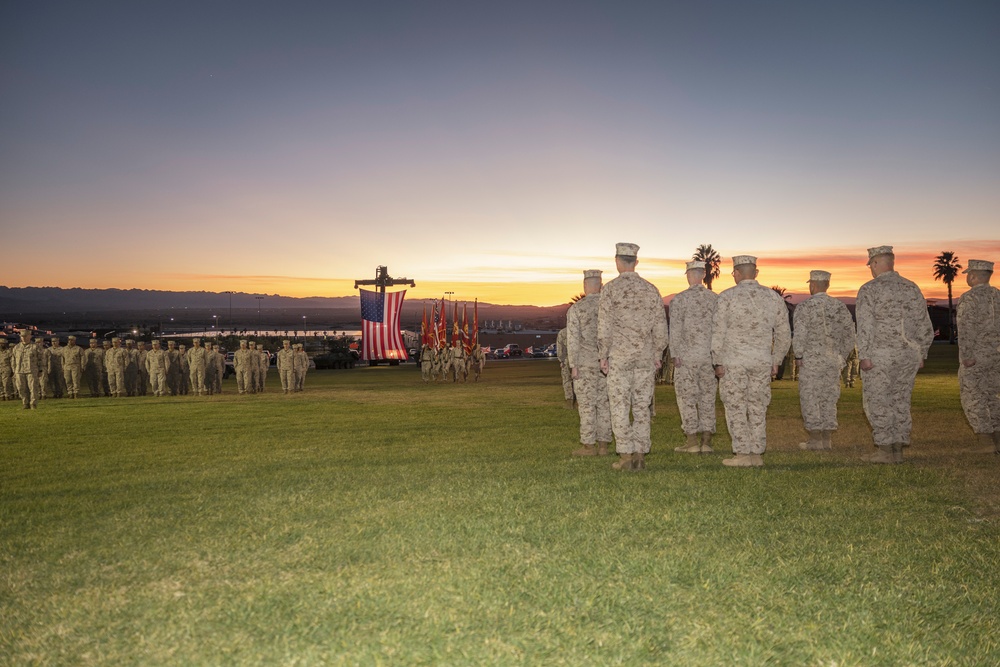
{"x": 462, "y": 359}
{"x": 30, "y": 371}
{"x": 736, "y": 341}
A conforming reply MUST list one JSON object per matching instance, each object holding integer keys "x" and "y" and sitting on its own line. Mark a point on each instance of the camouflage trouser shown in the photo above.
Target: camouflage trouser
{"x": 819, "y": 389}
{"x": 116, "y": 381}
{"x": 95, "y": 381}
{"x": 458, "y": 368}
{"x": 142, "y": 382}
{"x": 27, "y": 386}
{"x": 886, "y": 391}
{"x": 254, "y": 379}
{"x": 262, "y": 379}
{"x": 7, "y": 389}
{"x": 131, "y": 380}
{"x": 244, "y": 380}
{"x": 425, "y": 371}
{"x": 851, "y": 371}
{"x": 43, "y": 384}
{"x": 287, "y": 377}
{"x": 695, "y": 386}
{"x": 980, "y": 387}
{"x": 57, "y": 384}
{"x": 197, "y": 377}
{"x": 567, "y": 381}
{"x": 210, "y": 372}
{"x": 174, "y": 381}
{"x": 630, "y": 391}
{"x": 71, "y": 378}
{"x": 158, "y": 382}
{"x": 300, "y": 380}
{"x": 593, "y": 405}
{"x": 746, "y": 393}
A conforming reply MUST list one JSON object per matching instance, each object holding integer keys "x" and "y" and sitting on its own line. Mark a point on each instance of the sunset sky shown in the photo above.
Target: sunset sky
{"x": 494, "y": 150}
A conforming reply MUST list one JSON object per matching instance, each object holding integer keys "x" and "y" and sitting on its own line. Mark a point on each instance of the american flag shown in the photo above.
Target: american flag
{"x": 380, "y": 326}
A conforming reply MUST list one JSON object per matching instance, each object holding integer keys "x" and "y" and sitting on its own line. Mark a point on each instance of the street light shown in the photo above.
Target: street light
{"x": 259, "y": 299}
{"x": 303, "y": 326}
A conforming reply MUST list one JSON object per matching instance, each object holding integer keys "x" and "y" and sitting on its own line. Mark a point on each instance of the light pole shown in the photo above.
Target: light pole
{"x": 230, "y": 293}
{"x": 259, "y": 299}
{"x": 215, "y": 321}
{"x": 303, "y": 326}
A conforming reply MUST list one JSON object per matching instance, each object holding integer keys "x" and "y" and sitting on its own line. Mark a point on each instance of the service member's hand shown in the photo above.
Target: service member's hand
{"x": 969, "y": 363}
{"x": 575, "y": 374}
{"x": 774, "y": 371}
{"x": 604, "y": 366}
{"x": 659, "y": 364}
{"x": 677, "y": 362}
{"x": 720, "y": 370}
{"x": 867, "y": 365}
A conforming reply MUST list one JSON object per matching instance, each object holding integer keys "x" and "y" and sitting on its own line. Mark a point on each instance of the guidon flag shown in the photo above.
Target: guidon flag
{"x": 380, "y": 335}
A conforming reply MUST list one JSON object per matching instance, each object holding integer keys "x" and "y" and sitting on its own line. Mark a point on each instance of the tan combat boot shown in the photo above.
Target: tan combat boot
{"x": 814, "y": 443}
{"x": 897, "y": 452}
{"x": 602, "y": 448}
{"x": 691, "y": 446}
{"x": 740, "y": 461}
{"x": 757, "y": 460}
{"x": 624, "y": 462}
{"x": 638, "y": 461}
{"x": 568, "y": 404}
{"x": 706, "y": 443}
{"x": 883, "y": 455}
{"x": 827, "y": 440}
{"x": 585, "y": 450}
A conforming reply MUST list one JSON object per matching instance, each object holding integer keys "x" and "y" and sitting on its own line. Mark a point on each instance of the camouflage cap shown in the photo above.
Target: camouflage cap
{"x": 820, "y": 276}
{"x": 25, "y": 332}
{"x": 71, "y": 337}
{"x": 592, "y": 273}
{"x": 695, "y": 264}
{"x": 626, "y": 250}
{"x": 93, "y": 341}
{"x": 195, "y": 340}
{"x": 739, "y": 260}
{"x": 54, "y": 339}
{"x": 286, "y": 341}
{"x": 979, "y": 265}
{"x": 156, "y": 341}
{"x": 243, "y": 341}
{"x": 878, "y": 251}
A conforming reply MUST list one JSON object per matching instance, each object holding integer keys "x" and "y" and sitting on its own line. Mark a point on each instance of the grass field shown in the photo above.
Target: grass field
{"x": 374, "y": 520}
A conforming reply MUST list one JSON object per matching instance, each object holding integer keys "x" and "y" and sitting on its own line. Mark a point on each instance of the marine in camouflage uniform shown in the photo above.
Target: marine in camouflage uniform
{"x": 476, "y": 361}
{"x": 142, "y": 381}
{"x": 72, "y": 358}
{"x": 131, "y": 368}
{"x": 695, "y": 384}
{"x": 114, "y": 365}
{"x": 894, "y": 335}
{"x": 44, "y": 357}
{"x": 241, "y": 364}
{"x": 300, "y": 364}
{"x": 254, "y": 367}
{"x": 263, "y": 365}
{"x": 93, "y": 368}
{"x": 57, "y": 383}
{"x": 197, "y": 360}
{"x": 211, "y": 368}
{"x": 185, "y": 374}
{"x": 7, "y": 390}
{"x": 220, "y": 367}
{"x": 157, "y": 368}
{"x": 173, "y": 368}
{"x": 822, "y": 339}
{"x": 631, "y": 335}
{"x": 458, "y": 362}
{"x": 286, "y": 367}
{"x": 852, "y": 369}
{"x": 104, "y": 368}
{"x": 426, "y": 362}
{"x": 25, "y": 362}
{"x": 750, "y": 338}
{"x": 442, "y": 361}
{"x": 979, "y": 354}
{"x": 589, "y": 383}
{"x": 567, "y": 377}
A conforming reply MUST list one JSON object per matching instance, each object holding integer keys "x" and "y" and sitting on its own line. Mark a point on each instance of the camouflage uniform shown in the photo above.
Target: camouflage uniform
{"x": 263, "y": 365}
{"x": 25, "y": 362}
{"x": 822, "y": 339}
{"x": 691, "y": 314}
{"x": 631, "y": 335}
{"x": 184, "y": 381}
{"x": 57, "y": 383}
{"x": 750, "y": 336}
{"x": 93, "y": 368}
{"x": 458, "y": 362}
{"x": 7, "y": 390}
{"x": 241, "y": 364}
{"x": 196, "y": 359}
{"x": 173, "y": 368}
{"x": 253, "y": 364}
{"x": 142, "y": 375}
{"x": 567, "y": 378}
{"x": 114, "y": 365}
{"x": 851, "y": 370}
{"x": 131, "y": 368}
{"x": 476, "y": 361}
{"x": 211, "y": 368}
{"x": 442, "y": 361}
{"x": 44, "y": 357}
{"x": 426, "y": 362}
{"x": 158, "y": 369}
{"x": 220, "y": 367}
{"x": 894, "y": 333}
{"x": 979, "y": 342}
{"x": 300, "y": 364}
{"x": 286, "y": 367}
{"x": 105, "y": 383}
{"x": 590, "y": 384}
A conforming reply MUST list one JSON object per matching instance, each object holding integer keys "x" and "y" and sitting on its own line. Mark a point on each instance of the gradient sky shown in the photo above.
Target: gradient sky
{"x": 491, "y": 149}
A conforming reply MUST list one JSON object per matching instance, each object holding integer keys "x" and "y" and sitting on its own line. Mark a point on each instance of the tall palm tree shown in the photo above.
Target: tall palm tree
{"x": 946, "y": 268}
{"x": 782, "y": 292}
{"x": 707, "y": 254}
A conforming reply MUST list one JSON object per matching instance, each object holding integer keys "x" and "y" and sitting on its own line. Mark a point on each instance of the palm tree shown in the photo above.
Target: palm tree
{"x": 782, "y": 292}
{"x": 576, "y": 298}
{"x": 707, "y": 254}
{"x": 946, "y": 269}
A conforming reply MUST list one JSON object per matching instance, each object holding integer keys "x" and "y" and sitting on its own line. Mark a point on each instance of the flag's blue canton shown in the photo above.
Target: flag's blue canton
{"x": 372, "y": 306}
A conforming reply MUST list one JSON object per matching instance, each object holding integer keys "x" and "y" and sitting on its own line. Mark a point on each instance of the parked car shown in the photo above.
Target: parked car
{"x": 509, "y": 350}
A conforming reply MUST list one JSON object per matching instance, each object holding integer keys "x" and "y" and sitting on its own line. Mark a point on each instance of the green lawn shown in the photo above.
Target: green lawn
{"x": 375, "y": 520}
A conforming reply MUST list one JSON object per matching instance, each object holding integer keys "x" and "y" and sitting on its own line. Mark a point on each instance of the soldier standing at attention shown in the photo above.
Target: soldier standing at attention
{"x": 750, "y": 338}
{"x": 43, "y": 368}
{"x": 114, "y": 364}
{"x": 300, "y": 364}
{"x": 241, "y": 364}
{"x": 57, "y": 383}
{"x": 93, "y": 368}
{"x": 286, "y": 367}
{"x": 25, "y": 362}
{"x": 851, "y": 369}
{"x": 589, "y": 383}
{"x": 173, "y": 368}
{"x": 894, "y": 336}
{"x": 691, "y": 314}
{"x": 254, "y": 363}
{"x": 157, "y": 367}
{"x": 131, "y": 368}
{"x": 979, "y": 354}
{"x": 185, "y": 379}
{"x": 142, "y": 376}
{"x": 210, "y": 368}
{"x": 567, "y": 377}
{"x": 196, "y": 367}
{"x": 631, "y": 335}
{"x": 104, "y": 368}
{"x": 263, "y": 365}
{"x": 822, "y": 340}
{"x": 7, "y": 390}
{"x": 72, "y": 363}
{"x": 220, "y": 367}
